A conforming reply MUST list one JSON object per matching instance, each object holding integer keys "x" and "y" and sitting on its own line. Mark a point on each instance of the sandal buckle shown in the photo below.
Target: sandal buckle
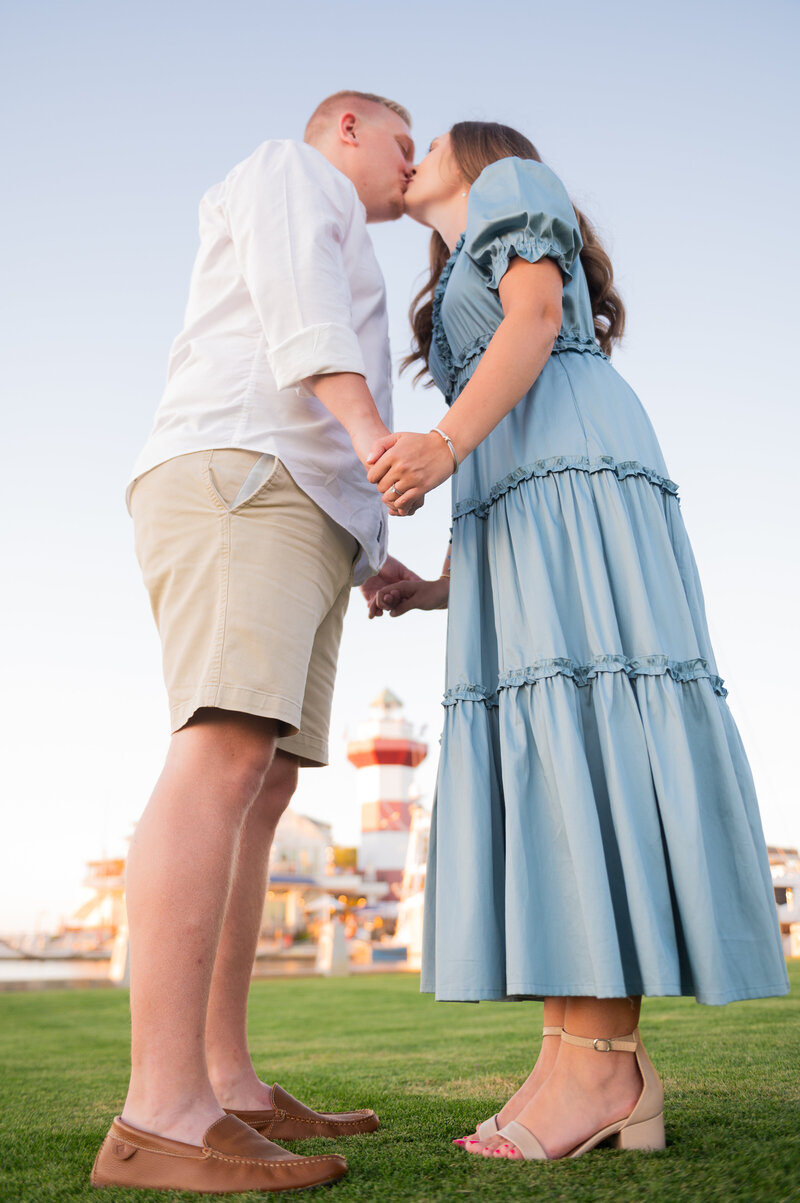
{"x": 602, "y": 1045}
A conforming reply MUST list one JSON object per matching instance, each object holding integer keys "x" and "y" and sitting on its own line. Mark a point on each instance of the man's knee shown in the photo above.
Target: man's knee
{"x": 237, "y": 749}
{"x": 279, "y": 786}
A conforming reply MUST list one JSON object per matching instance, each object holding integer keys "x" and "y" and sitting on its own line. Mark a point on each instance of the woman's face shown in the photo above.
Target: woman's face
{"x": 436, "y": 181}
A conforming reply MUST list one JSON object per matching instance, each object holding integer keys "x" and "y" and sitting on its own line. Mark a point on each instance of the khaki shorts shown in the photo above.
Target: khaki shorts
{"x": 249, "y": 582}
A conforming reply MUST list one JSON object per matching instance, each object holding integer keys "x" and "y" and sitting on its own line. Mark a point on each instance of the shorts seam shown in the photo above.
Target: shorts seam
{"x": 258, "y": 693}
{"x": 309, "y": 741}
{"x": 314, "y": 752}
{"x": 222, "y": 630}
{"x": 288, "y": 710}
{"x": 211, "y": 492}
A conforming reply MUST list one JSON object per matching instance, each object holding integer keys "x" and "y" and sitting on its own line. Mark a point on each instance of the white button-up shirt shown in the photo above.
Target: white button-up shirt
{"x": 285, "y": 286}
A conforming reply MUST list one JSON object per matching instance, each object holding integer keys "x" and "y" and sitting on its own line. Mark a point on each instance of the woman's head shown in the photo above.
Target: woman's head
{"x": 441, "y": 182}
{"x": 455, "y": 160}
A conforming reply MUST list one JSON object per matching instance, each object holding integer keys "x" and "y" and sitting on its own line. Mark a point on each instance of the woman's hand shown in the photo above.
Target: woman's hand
{"x": 406, "y": 466}
{"x": 414, "y": 595}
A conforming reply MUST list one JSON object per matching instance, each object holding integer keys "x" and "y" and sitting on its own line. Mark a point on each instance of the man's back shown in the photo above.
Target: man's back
{"x": 285, "y": 285}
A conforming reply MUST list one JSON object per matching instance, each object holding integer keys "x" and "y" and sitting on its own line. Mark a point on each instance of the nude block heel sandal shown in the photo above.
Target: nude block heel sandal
{"x": 490, "y": 1127}
{"x": 644, "y": 1127}
{"x": 648, "y": 1134}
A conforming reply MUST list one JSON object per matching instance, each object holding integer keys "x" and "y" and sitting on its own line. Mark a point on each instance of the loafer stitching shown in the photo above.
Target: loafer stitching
{"x": 272, "y": 1117}
{"x": 340, "y": 1123}
{"x": 213, "y": 1155}
{"x": 294, "y": 1161}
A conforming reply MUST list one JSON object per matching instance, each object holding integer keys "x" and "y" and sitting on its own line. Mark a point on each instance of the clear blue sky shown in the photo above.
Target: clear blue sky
{"x": 673, "y": 127}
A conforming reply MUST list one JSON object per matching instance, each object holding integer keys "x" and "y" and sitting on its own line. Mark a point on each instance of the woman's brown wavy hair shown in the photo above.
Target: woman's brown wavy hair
{"x": 476, "y": 144}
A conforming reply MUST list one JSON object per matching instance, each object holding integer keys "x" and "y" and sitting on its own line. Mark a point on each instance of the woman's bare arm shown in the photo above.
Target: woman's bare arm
{"x": 530, "y": 294}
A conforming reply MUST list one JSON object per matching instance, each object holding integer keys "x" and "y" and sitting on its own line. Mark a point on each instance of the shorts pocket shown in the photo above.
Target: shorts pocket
{"x": 234, "y": 476}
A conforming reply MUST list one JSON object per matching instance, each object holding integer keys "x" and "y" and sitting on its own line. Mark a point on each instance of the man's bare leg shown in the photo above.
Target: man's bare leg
{"x": 178, "y": 879}
{"x": 235, "y": 1081}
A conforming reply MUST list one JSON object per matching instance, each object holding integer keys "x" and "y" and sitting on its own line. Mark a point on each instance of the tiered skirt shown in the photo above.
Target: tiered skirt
{"x": 595, "y": 827}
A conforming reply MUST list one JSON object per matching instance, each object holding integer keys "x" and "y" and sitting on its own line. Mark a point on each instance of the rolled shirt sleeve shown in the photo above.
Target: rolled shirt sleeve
{"x": 287, "y": 214}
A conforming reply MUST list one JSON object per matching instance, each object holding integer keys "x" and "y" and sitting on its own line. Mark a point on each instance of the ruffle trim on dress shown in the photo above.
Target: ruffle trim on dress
{"x": 564, "y": 342}
{"x": 461, "y": 365}
{"x": 458, "y": 367}
{"x": 480, "y": 507}
{"x": 439, "y": 336}
{"x": 578, "y": 342}
{"x": 682, "y": 671}
{"x": 470, "y": 693}
{"x": 549, "y": 238}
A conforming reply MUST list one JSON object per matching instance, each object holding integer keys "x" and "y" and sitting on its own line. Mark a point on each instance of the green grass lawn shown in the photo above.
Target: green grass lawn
{"x": 430, "y": 1070}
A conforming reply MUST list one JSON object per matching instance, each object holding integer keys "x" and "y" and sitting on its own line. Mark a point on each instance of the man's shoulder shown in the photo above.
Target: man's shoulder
{"x": 297, "y": 161}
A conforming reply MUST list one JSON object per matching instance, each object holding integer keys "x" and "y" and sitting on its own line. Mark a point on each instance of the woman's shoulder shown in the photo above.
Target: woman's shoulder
{"x": 511, "y": 182}
{"x": 519, "y": 206}
{"x": 515, "y": 170}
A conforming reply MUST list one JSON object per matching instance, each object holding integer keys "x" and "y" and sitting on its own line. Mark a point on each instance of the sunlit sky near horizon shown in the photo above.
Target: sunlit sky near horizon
{"x": 673, "y": 127}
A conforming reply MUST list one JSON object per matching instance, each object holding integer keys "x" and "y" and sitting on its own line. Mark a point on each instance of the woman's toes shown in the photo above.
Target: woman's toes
{"x": 510, "y": 1152}
{"x": 472, "y": 1144}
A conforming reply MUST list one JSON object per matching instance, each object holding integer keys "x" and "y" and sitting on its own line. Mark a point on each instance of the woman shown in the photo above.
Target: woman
{"x": 595, "y": 833}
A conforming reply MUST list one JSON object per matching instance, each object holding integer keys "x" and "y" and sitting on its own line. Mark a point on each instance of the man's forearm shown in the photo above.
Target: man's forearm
{"x": 346, "y": 396}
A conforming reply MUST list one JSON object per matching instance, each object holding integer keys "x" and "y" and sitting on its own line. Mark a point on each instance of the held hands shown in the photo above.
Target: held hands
{"x": 365, "y": 440}
{"x": 392, "y": 573}
{"x": 413, "y": 595}
{"x": 406, "y": 466}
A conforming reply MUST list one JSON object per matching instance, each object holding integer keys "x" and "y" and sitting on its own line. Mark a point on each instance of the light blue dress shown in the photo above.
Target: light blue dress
{"x": 595, "y": 827}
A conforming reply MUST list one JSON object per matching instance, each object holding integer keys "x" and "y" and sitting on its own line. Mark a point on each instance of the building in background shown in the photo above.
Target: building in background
{"x": 386, "y": 752}
{"x": 784, "y": 865}
{"x": 408, "y": 933}
{"x": 309, "y": 876}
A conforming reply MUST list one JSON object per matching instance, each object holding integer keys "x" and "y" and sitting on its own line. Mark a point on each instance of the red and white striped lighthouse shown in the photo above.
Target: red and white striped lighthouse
{"x": 386, "y": 754}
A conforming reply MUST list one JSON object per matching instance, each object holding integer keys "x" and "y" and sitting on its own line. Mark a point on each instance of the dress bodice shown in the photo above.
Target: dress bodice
{"x": 516, "y": 207}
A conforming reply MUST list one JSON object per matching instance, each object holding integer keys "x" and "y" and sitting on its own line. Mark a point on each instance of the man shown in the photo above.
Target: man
{"x": 253, "y": 518}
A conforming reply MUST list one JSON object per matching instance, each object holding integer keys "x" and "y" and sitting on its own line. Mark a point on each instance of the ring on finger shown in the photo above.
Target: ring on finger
{"x": 394, "y": 490}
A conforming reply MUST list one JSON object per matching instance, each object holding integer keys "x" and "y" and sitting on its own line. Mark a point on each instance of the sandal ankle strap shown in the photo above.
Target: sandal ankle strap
{"x": 549, "y": 1030}
{"x": 601, "y": 1044}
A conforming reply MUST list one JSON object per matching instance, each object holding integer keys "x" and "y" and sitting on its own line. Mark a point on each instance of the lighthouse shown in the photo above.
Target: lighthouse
{"x": 386, "y": 753}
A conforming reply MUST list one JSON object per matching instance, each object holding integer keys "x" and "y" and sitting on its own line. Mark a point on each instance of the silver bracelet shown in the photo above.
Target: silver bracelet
{"x": 449, "y": 442}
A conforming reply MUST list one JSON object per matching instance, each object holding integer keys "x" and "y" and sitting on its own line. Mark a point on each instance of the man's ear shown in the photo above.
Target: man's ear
{"x": 348, "y": 129}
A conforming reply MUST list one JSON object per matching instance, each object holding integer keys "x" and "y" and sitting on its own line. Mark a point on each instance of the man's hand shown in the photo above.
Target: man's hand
{"x": 391, "y": 573}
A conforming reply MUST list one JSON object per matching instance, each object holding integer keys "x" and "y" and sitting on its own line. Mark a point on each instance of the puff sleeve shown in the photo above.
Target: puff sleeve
{"x": 519, "y": 207}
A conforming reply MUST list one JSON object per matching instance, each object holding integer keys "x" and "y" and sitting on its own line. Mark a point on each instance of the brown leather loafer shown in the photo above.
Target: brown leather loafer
{"x": 289, "y": 1119}
{"x": 232, "y": 1158}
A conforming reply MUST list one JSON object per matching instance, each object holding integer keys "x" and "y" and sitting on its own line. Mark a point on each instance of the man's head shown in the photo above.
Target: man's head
{"x": 368, "y": 138}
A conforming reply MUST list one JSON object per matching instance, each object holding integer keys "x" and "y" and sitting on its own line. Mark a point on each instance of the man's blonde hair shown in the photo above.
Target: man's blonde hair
{"x": 328, "y": 108}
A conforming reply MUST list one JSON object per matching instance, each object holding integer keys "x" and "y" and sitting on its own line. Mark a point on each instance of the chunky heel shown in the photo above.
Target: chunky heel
{"x": 631, "y": 1133}
{"x": 647, "y": 1134}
